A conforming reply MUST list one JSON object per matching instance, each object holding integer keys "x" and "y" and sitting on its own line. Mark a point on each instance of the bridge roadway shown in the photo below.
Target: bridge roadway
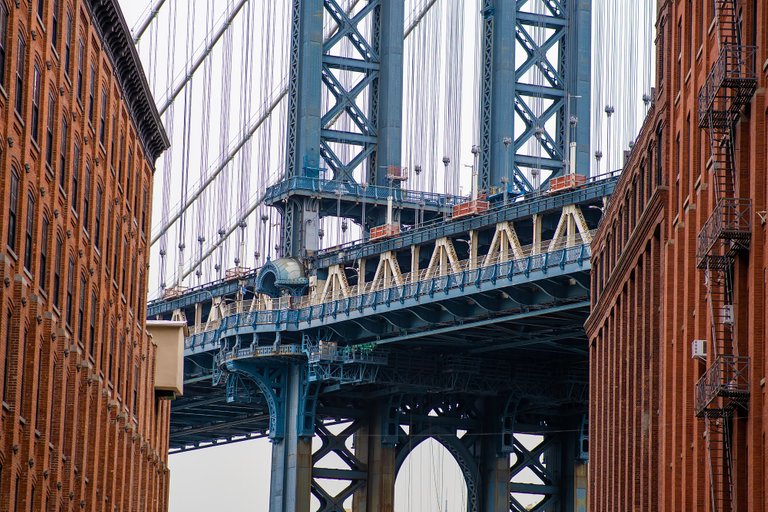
{"x": 485, "y": 322}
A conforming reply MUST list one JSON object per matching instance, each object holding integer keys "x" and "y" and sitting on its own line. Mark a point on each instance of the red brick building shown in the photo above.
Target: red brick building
{"x": 681, "y": 256}
{"x": 81, "y": 427}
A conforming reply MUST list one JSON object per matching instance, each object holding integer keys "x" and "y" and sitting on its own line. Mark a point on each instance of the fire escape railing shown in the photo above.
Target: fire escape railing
{"x": 724, "y": 387}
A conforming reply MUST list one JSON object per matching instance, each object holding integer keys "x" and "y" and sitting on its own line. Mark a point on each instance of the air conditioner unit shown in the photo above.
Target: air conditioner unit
{"x": 727, "y": 314}
{"x": 699, "y": 349}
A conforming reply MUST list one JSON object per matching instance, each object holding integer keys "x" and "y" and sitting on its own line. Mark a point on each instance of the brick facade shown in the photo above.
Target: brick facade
{"x": 648, "y": 448}
{"x": 81, "y": 427}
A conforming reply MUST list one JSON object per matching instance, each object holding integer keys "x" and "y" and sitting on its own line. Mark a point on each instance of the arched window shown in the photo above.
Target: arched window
{"x": 49, "y": 130}
{"x": 87, "y": 197}
{"x": 63, "y": 152}
{"x": 20, "y": 74}
{"x": 57, "y": 266}
{"x": 13, "y": 209}
{"x": 44, "y": 238}
{"x": 55, "y": 26}
{"x": 68, "y": 45}
{"x": 75, "y": 183}
{"x": 80, "y": 63}
{"x": 35, "y": 128}
{"x": 3, "y": 40}
{"x": 97, "y": 217}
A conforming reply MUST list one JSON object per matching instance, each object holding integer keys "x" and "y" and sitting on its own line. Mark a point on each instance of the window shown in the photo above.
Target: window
{"x": 38, "y": 373}
{"x": 16, "y": 493}
{"x": 63, "y": 152}
{"x": 7, "y": 355}
{"x": 75, "y": 170}
{"x": 115, "y": 252}
{"x": 103, "y": 352}
{"x": 97, "y": 217}
{"x": 139, "y": 305}
{"x": 81, "y": 311}
{"x": 20, "y": 75}
{"x": 45, "y": 236}
{"x": 91, "y": 94}
{"x": 87, "y": 197}
{"x": 55, "y": 25}
{"x": 136, "y": 194}
{"x": 125, "y": 255}
{"x": 20, "y": 365}
{"x": 110, "y": 223}
{"x": 144, "y": 210}
{"x": 120, "y": 162}
{"x": 3, "y": 41}
{"x": 35, "y": 128}
{"x": 28, "y": 232}
{"x": 110, "y": 362}
{"x": 135, "y": 389}
{"x": 13, "y": 208}
{"x": 103, "y": 118}
{"x": 49, "y": 130}
{"x": 92, "y": 327}
{"x": 40, "y": 5}
{"x": 68, "y": 45}
{"x": 80, "y": 59}
{"x": 128, "y": 174}
{"x": 57, "y": 272}
{"x": 112, "y": 144}
{"x": 132, "y": 284}
{"x": 70, "y": 291}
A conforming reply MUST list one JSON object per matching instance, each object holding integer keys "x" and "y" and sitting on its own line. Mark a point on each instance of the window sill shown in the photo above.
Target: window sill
{"x": 12, "y": 254}
{"x": 6, "y": 407}
{"x": 18, "y": 117}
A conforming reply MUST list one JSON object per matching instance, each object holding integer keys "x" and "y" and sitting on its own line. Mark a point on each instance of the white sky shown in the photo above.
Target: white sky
{"x": 236, "y": 477}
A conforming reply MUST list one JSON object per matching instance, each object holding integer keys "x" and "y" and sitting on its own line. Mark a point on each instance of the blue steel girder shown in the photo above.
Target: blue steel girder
{"x": 507, "y": 278}
{"x": 506, "y": 26}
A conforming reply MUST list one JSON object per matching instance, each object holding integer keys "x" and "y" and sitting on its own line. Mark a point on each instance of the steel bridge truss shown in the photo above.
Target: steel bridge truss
{"x": 536, "y": 111}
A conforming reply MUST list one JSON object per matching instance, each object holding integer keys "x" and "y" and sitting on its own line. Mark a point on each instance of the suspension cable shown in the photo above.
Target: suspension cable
{"x": 283, "y": 92}
{"x": 151, "y": 15}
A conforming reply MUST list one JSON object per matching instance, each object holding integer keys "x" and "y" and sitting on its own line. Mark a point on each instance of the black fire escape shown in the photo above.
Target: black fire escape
{"x": 724, "y": 387}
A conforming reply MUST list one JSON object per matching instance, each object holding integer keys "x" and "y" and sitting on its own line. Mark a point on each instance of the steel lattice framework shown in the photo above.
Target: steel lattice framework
{"x": 554, "y": 72}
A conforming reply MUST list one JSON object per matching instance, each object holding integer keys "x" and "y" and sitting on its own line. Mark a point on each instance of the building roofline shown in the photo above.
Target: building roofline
{"x": 116, "y": 36}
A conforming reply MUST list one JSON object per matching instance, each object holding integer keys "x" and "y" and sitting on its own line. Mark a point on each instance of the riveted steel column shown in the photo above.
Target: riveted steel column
{"x": 372, "y": 448}
{"x": 579, "y": 77}
{"x": 389, "y": 111}
{"x": 292, "y": 456}
{"x": 301, "y": 220}
{"x": 498, "y": 92}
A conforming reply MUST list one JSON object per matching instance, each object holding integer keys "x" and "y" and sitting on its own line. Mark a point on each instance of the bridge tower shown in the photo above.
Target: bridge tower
{"x": 365, "y": 88}
{"x": 553, "y": 78}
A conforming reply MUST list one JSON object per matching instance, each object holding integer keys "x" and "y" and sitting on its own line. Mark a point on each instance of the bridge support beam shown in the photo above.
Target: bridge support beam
{"x": 292, "y": 456}
{"x": 372, "y": 448}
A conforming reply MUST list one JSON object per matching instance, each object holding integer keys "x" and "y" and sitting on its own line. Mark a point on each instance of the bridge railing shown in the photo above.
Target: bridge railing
{"x": 305, "y": 312}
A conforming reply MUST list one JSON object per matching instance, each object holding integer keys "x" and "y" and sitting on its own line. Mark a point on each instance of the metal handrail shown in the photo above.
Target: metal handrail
{"x": 373, "y": 192}
{"x": 305, "y": 312}
{"x": 730, "y": 217}
{"x": 735, "y": 62}
{"x": 727, "y": 377}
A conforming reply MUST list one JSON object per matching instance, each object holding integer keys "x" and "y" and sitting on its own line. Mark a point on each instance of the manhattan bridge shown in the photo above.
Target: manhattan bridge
{"x": 375, "y": 221}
